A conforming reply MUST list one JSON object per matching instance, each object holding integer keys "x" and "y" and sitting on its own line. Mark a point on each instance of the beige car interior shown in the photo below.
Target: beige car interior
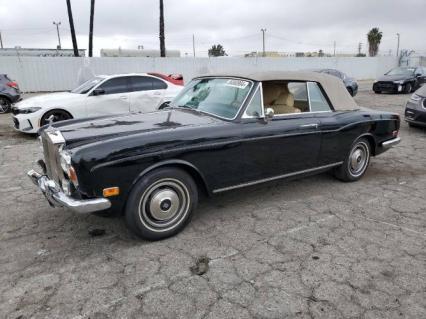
{"x": 276, "y": 95}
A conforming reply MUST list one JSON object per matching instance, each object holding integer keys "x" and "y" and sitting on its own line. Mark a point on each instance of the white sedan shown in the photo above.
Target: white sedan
{"x": 102, "y": 95}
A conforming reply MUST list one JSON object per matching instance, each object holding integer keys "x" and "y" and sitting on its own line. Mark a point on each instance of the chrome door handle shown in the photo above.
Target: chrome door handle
{"x": 157, "y": 93}
{"x": 123, "y": 97}
{"x": 309, "y": 125}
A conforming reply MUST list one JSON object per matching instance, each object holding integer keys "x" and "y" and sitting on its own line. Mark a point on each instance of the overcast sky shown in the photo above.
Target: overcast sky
{"x": 298, "y": 25}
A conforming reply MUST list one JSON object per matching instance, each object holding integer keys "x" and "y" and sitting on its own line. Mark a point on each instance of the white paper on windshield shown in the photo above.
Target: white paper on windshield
{"x": 237, "y": 83}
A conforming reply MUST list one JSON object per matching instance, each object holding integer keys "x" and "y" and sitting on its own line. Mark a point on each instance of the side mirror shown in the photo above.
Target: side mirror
{"x": 269, "y": 113}
{"x": 98, "y": 92}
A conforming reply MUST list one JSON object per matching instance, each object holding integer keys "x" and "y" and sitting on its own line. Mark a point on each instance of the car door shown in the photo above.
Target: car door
{"x": 147, "y": 93}
{"x": 286, "y": 144}
{"x": 110, "y": 97}
{"x": 334, "y": 138}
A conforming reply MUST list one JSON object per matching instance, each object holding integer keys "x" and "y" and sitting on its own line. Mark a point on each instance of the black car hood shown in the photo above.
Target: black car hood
{"x": 81, "y": 132}
{"x": 394, "y": 77}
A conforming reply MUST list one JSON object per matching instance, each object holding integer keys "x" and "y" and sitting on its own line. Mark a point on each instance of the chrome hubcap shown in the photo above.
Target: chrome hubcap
{"x": 358, "y": 159}
{"x": 164, "y": 205}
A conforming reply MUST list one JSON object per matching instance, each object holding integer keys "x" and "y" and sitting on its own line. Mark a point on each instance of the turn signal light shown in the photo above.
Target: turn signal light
{"x": 111, "y": 191}
{"x": 72, "y": 175}
{"x": 395, "y": 133}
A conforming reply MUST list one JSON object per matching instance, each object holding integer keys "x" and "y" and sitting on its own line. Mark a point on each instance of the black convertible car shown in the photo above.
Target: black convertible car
{"x": 220, "y": 133}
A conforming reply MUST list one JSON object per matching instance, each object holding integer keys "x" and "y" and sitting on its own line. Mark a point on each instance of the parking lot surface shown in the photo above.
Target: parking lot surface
{"x": 310, "y": 248}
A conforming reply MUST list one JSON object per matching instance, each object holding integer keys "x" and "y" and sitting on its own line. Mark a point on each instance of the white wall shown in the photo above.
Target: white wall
{"x": 37, "y": 74}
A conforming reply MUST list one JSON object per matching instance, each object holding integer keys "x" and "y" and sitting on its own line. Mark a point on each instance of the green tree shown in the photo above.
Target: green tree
{"x": 374, "y": 37}
{"x": 217, "y": 50}
{"x": 162, "y": 37}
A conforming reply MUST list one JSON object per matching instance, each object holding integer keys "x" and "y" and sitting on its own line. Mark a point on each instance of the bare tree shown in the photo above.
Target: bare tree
{"x": 162, "y": 42}
{"x": 74, "y": 40}
{"x": 92, "y": 15}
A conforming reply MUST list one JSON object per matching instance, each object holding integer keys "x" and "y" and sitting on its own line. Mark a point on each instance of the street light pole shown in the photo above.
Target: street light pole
{"x": 263, "y": 40}
{"x": 57, "y": 30}
{"x": 397, "y": 46}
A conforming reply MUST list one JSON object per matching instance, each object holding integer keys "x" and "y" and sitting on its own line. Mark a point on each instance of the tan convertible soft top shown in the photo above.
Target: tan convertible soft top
{"x": 334, "y": 88}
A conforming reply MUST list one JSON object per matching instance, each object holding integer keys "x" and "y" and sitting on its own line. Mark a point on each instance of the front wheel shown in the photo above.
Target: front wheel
{"x": 407, "y": 88}
{"x": 356, "y": 162}
{"x": 161, "y": 203}
{"x": 4, "y": 105}
{"x": 54, "y": 116}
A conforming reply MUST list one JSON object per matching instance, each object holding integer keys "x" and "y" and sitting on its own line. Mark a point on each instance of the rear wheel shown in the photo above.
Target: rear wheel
{"x": 356, "y": 162}
{"x": 55, "y": 116}
{"x": 351, "y": 92}
{"x": 4, "y": 105}
{"x": 161, "y": 203}
{"x": 377, "y": 91}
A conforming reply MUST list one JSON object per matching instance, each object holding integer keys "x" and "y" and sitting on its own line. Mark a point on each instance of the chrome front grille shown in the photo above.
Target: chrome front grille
{"x": 51, "y": 157}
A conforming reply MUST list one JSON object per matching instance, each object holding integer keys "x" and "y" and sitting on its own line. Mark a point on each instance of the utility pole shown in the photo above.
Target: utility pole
{"x": 263, "y": 38}
{"x": 57, "y": 30}
{"x": 1, "y": 41}
{"x": 397, "y": 46}
{"x": 334, "y": 48}
{"x": 193, "y": 44}
{"x": 359, "y": 48}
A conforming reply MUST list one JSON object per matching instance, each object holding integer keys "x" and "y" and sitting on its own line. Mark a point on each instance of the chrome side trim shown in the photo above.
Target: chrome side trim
{"x": 269, "y": 179}
{"x": 392, "y": 142}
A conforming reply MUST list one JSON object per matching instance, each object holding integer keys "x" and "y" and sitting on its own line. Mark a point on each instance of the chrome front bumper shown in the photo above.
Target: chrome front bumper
{"x": 390, "y": 143}
{"x": 56, "y": 197}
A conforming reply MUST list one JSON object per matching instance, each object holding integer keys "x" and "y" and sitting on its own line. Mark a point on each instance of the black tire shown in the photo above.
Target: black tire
{"x": 161, "y": 204}
{"x": 407, "y": 88}
{"x": 351, "y": 92}
{"x": 356, "y": 162}
{"x": 377, "y": 91}
{"x": 5, "y": 105}
{"x": 58, "y": 115}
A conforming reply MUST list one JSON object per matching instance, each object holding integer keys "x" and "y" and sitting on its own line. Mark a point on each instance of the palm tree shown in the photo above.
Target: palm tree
{"x": 374, "y": 38}
{"x": 162, "y": 44}
{"x": 217, "y": 50}
{"x": 74, "y": 40}
{"x": 92, "y": 14}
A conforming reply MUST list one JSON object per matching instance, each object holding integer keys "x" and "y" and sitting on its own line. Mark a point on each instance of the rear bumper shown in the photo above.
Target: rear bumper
{"x": 388, "y": 144}
{"x": 57, "y": 198}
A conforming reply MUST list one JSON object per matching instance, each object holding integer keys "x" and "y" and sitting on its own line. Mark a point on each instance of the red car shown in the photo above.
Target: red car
{"x": 176, "y": 79}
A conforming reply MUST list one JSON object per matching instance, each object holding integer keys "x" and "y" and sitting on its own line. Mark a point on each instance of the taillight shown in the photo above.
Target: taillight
{"x": 12, "y": 84}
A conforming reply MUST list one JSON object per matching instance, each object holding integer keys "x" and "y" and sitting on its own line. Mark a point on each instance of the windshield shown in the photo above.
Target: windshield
{"x": 222, "y": 97}
{"x": 401, "y": 71}
{"x": 87, "y": 86}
